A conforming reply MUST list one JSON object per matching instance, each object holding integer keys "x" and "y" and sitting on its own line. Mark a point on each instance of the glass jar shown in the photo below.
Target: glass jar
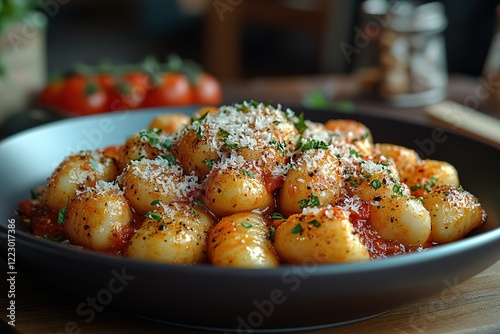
{"x": 412, "y": 58}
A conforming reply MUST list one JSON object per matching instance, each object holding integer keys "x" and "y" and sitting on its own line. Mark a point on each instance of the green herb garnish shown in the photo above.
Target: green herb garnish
{"x": 315, "y": 223}
{"x": 311, "y": 201}
{"x": 247, "y": 173}
{"x": 297, "y": 229}
{"x": 376, "y": 184}
{"x": 300, "y": 125}
{"x": 277, "y": 215}
{"x": 153, "y": 215}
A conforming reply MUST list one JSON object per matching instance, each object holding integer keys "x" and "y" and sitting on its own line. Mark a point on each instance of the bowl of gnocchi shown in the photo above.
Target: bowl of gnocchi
{"x": 250, "y": 217}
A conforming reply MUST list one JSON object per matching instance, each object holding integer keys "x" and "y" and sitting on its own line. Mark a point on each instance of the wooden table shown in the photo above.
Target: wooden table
{"x": 470, "y": 307}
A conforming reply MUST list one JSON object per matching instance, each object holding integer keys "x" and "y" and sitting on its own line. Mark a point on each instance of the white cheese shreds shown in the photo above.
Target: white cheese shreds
{"x": 167, "y": 177}
{"x": 372, "y": 168}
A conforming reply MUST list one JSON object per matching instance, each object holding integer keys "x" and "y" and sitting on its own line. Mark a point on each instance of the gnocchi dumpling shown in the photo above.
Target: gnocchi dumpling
{"x": 196, "y": 154}
{"x": 169, "y": 123}
{"x": 403, "y": 219}
{"x": 233, "y": 190}
{"x": 242, "y": 240}
{"x": 75, "y": 173}
{"x": 354, "y": 132}
{"x": 374, "y": 181}
{"x": 147, "y": 181}
{"x": 145, "y": 144}
{"x": 454, "y": 213}
{"x": 98, "y": 217}
{"x": 429, "y": 173}
{"x": 404, "y": 158}
{"x": 174, "y": 233}
{"x": 319, "y": 235}
{"x": 314, "y": 179}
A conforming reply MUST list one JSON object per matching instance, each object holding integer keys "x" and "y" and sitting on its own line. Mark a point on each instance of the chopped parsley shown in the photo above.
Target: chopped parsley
{"x": 170, "y": 159}
{"x": 272, "y": 233}
{"x": 300, "y": 125}
{"x": 314, "y": 145}
{"x": 198, "y": 202}
{"x": 297, "y": 229}
{"x": 154, "y": 216}
{"x": 93, "y": 163}
{"x": 398, "y": 190}
{"x": 209, "y": 163}
{"x": 315, "y": 223}
{"x": 197, "y": 127}
{"x": 151, "y": 136}
{"x": 57, "y": 239}
{"x": 62, "y": 213}
{"x": 280, "y": 146}
{"x": 354, "y": 153}
{"x": 199, "y": 119}
{"x": 427, "y": 186}
{"x": 246, "y": 224}
{"x": 35, "y": 194}
{"x": 376, "y": 184}
{"x": 311, "y": 201}
{"x": 277, "y": 215}
{"x": 231, "y": 146}
{"x": 194, "y": 213}
{"x": 363, "y": 136}
{"x": 247, "y": 173}
{"x": 167, "y": 144}
{"x": 224, "y": 134}
{"x": 139, "y": 158}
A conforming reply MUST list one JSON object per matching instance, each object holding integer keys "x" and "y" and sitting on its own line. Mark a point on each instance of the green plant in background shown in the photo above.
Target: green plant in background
{"x": 12, "y": 11}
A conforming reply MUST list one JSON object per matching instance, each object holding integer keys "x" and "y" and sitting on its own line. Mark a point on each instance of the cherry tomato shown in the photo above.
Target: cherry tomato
{"x": 173, "y": 89}
{"x": 129, "y": 91}
{"x": 106, "y": 80}
{"x": 207, "y": 90}
{"x": 82, "y": 95}
{"x": 50, "y": 93}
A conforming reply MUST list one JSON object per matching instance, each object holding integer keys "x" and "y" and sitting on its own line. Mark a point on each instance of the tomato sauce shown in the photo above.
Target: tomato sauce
{"x": 377, "y": 246}
{"x": 43, "y": 223}
{"x": 42, "y": 220}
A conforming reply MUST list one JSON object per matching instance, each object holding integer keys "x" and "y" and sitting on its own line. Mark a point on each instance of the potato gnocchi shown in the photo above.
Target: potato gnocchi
{"x": 251, "y": 185}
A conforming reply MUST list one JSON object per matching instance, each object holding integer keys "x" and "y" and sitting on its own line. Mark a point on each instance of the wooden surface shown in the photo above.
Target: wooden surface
{"x": 469, "y": 307}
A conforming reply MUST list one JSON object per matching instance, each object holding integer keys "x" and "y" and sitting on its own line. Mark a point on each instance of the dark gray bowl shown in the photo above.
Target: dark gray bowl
{"x": 285, "y": 298}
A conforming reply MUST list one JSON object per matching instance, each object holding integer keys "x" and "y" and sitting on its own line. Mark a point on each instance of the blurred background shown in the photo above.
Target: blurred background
{"x": 234, "y": 40}
{"x": 271, "y": 37}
